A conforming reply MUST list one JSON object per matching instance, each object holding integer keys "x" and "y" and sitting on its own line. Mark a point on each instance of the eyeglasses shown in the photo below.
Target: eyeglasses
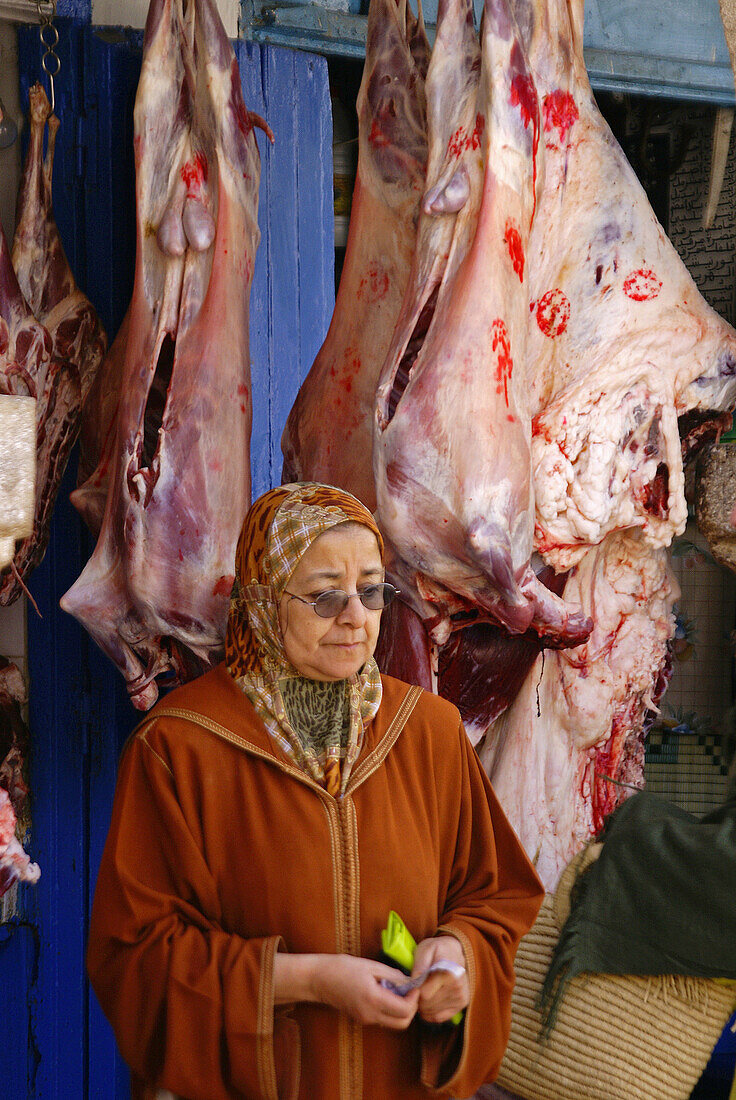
{"x": 329, "y": 605}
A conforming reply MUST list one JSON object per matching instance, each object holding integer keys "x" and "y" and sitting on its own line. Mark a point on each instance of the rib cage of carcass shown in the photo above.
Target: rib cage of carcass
{"x": 537, "y": 367}
{"x": 166, "y": 443}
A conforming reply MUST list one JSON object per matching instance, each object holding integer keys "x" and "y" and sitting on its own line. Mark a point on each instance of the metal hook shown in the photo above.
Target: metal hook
{"x": 50, "y": 62}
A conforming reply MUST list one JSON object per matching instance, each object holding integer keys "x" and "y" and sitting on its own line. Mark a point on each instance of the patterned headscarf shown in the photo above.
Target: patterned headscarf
{"x": 278, "y": 530}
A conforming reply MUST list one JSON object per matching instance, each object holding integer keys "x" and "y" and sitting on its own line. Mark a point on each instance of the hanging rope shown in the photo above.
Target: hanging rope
{"x": 50, "y": 62}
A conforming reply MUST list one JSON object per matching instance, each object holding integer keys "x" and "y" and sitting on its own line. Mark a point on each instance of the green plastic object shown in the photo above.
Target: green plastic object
{"x": 398, "y": 944}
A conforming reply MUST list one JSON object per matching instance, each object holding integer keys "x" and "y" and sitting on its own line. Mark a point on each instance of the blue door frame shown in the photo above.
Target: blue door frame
{"x": 58, "y": 1044}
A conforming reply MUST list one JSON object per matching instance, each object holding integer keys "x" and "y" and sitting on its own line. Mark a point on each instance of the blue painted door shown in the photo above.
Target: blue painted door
{"x": 56, "y": 1040}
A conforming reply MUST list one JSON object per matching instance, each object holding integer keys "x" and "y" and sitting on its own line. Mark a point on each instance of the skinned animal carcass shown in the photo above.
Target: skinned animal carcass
{"x": 15, "y": 866}
{"x": 622, "y": 343}
{"x": 51, "y": 340}
{"x": 571, "y": 746}
{"x": 522, "y": 471}
{"x": 14, "y": 739}
{"x": 174, "y": 471}
{"x": 460, "y": 518}
{"x": 340, "y": 387}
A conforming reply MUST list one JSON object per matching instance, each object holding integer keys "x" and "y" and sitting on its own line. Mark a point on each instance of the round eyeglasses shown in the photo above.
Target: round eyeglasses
{"x": 329, "y": 605}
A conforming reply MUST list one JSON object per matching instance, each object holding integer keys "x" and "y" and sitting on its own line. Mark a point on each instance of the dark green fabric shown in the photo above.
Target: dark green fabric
{"x": 660, "y": 899}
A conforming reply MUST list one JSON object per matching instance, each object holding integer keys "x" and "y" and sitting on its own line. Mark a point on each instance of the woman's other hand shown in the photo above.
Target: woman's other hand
{"x": 347, "y": 983}
{"x": 442, "y": 995}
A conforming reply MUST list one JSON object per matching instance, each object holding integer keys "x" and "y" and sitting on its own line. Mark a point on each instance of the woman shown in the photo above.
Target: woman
{"x": 267, "y": 819}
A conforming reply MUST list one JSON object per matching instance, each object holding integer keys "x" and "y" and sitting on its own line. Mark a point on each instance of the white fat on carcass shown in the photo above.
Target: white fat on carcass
{"x": 576, "y": 728}
{"x": 606, "y": 457}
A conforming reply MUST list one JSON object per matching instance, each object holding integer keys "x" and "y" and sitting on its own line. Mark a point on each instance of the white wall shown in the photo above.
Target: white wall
{"x": 132, "y": 13}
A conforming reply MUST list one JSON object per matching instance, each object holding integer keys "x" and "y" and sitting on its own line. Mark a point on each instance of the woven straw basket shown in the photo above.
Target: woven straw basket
{"x": 616, "y": 1038}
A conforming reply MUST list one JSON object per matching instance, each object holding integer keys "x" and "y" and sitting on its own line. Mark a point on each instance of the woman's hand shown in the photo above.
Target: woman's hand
{"x": 347, "y": 983}
{"x": 442, "y": 995}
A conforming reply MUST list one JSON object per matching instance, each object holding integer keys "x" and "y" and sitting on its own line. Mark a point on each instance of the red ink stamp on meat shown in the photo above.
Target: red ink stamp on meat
{"x": 512, "y": 237}
{"x": 374, "y": 284}
{"x": 461, "y": 140}
{"x": 560, "y": 113}
{"x": 642, "y": 285}
{"x": 456, "y": 144}
{"x": 504, "y": 363}
{"x": 553, "y": 313}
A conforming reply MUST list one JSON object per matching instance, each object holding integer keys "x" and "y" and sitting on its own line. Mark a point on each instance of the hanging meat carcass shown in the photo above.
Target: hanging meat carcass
{"x": 15, "y": 866}
{"x": 621, "y": 341}
{"x": 175, "y": 470}
{"x": 617, "y": 334}
{"x": 461, "y": 518}
{"x": 51, "y": 340}
{"x": 340, "y": 387}
{"x": 571, "y": 746}
{"x": 14, "y": 863}
{"x": 632, "y": 373}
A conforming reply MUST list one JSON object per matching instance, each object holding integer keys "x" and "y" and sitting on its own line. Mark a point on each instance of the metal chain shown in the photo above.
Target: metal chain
{"x": 50, "y": 62}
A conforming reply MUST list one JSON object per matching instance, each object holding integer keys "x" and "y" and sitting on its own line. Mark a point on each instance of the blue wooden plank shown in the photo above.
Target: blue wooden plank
{"x": 315, "y": 217}
{"x": 77, "y": 9}
{"x": 59, "y": 759}
{"x": 80, "y": 713}
{"x": 111, "y": 70}
{"x": 250, "y": 61}
{"x": 59, "y": 842}
{"x": 283, "y": 244}
{"x": 18, "y": 958}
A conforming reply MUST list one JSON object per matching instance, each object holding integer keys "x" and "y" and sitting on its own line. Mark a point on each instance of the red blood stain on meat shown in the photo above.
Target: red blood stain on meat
{"x": 181, "y": 556}
{"x": 377, "y": 137}
{"x": 560, "y": 113}
{"x": 512, "y": 237}
{"x": 504, "y": 362}
{"x": 242, "y": 390}
{"x": 655, "y": 496}
{"x": 642, "y": 285}
{"x": 524, "y": 96}
{"x": 223, "y": 586}
{"x": 374, "y": 284}
{"x": 553, "y": 313}
{"x": 194, "y": 173}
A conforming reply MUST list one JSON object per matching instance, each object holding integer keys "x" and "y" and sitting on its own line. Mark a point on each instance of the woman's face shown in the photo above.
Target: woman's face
{"x": 345, "y": 557}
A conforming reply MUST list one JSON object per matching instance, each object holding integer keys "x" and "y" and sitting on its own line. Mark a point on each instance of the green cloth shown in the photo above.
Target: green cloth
{"x": 660, "y": 899}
